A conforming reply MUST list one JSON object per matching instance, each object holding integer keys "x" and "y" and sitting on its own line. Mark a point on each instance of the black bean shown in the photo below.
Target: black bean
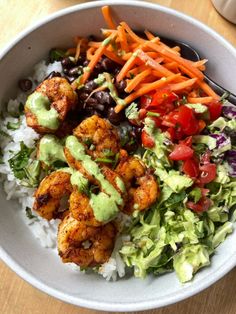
{"x": 136, "y": 132}
{"x": 90, "y": 86}
{"x": 85, "y": 63}
{"x": 75, "y": 71}
{"x": 66, "y": 71}
{"x": 113, "y": 117}
{"x": 25, "y": 85}
{"x": 53, "y": 74}
{"x": 98, "y": 68}
{"x": 67, "y": 62}
{"x": 120, "y": 86}
{"x": 107, "y": 64}
{"x": 71, "y": 78}
{"x": 83, "y": 95}
{"x": 104, "y": 98}
{"x": 91, "y": 102}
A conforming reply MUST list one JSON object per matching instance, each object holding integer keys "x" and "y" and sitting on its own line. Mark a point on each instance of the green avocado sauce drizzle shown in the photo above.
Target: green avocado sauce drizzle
{"x": 50, "y": 150}
{"x": 39, "y": 105}
{"x": 105, "y": 203}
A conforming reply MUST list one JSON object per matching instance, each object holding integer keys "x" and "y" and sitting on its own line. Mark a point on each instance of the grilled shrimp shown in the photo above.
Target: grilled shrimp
{"x": 80, "y": 206}
{"x": 50, "y": 194}
{"x": 99, "y": 136}
{"x": 141, "y": 186}
{"x": 62, "y": 99}
{"x": 84, "y": 245}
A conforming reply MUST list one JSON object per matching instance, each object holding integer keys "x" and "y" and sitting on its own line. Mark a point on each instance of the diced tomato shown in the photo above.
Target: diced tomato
{"x": 208, "y": 173}
{"x": 201, "y": 125}
{"x": 206, "y": 157}
{"x": 188, "y": 141}
{"x": 162, "y": 101}
{"x": 181, "y": 152}
{"x": 183, "y": 118}
{"x": 142, "y": 113}
{"x": 191, "y": 167}
{"x": 146, "y": 100}
{"x": 215, "y": 108}
{"x": 188, "y": 121}
{"x": 202, "y": 205}
{"x": 147, "y": 141}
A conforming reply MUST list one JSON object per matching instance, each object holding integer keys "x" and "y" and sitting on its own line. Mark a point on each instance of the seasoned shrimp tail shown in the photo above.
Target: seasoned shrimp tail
{"x": 80, "y": 203}
{"x": 47, "y": 107}
{"x": 141, "y": 186}
{"x": 84, "y": 245}
{"x": 52, "y": 191}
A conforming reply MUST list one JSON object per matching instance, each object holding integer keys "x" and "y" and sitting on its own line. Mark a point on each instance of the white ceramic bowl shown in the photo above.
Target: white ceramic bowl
{"x": 19, "y": 249}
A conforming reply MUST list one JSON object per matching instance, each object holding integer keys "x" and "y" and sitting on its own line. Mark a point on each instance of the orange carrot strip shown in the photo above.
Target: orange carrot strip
{"x": 201, "y": 125}
{"x": 199, "y": 63}
{"x": 137, "y": 70}
{"x": 146, "y": 89}
{"x": 96, "y": 57}
{"x": 107, "y": 17}
{"x": 153, "y": 55}
{"x": 123, "y": 38}
{"x": 126, "y": 56}
{"x": 111, "y": 55}
{"x": 149, "y": 35}
{"x": 200, "y": 100}
{"x": 77, "y": 51}
{"x": 95, "y": 44}
{"x": 132, "y": 35}
{"x": 182, "y": 85}
{"x": 70, "y": 51}
{"x": 207, "y": 89}
{"x": 137, "y": 80}
{"x": 152, "y": 63}
{"x": 127, "y": 66}
{"x": 90, "y": 53}
{"x": 107, "y": 32}
{"x": 174, "y": 57}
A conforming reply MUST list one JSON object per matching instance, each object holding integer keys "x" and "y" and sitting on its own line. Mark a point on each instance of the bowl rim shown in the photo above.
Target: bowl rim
{"x": 101, "y": 305}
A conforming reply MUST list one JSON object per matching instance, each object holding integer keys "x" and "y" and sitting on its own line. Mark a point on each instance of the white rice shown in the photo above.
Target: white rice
{"x": 43, "y": 230}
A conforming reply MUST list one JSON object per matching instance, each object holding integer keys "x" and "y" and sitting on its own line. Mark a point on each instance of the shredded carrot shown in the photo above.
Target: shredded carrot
{"x": 123, "y": 38}
{"x": 152, "y": 63}
{"x": 127, "y": 66}
{"x": 201, "y": 125}
{"x": 111, "y": 55}
{"x": 149, "y": 35}
{"x": 126, "y": 56}
{"x": 200, "y": 100}
{"x": 90, "y": 53}
{"x": 95, "y": 44}
{"x": 107, "y": 17}
{"x": 132, "y": 35}
{"x": 182, "y": 85}
{"x": 70, "y": 51}
{"x": 146, "y": 89}
{"x": 77, "y": 52}
{"x": 136, "y": 80}
{"x": 207, "y": 89}
{"x": 96, "y": 57}
{"x": 185, "y": 63}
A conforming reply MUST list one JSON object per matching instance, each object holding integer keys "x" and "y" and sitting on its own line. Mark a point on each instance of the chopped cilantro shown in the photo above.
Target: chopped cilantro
{"x": 56, "y": 55}
{"x": 20, "y": 160}
{"x": 13, "y": 125}
{"x": 29, "y": 214}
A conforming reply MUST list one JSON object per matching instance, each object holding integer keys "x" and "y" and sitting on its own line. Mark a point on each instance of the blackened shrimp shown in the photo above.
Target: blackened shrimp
{"x": 141, "y": 186}
{"x": 99, "y": 136}
{"x": 80, "y": 203}
{"x": 84, "y": 245}
{"x": 47, "y": 107}
{"x": 52, "y": 191}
